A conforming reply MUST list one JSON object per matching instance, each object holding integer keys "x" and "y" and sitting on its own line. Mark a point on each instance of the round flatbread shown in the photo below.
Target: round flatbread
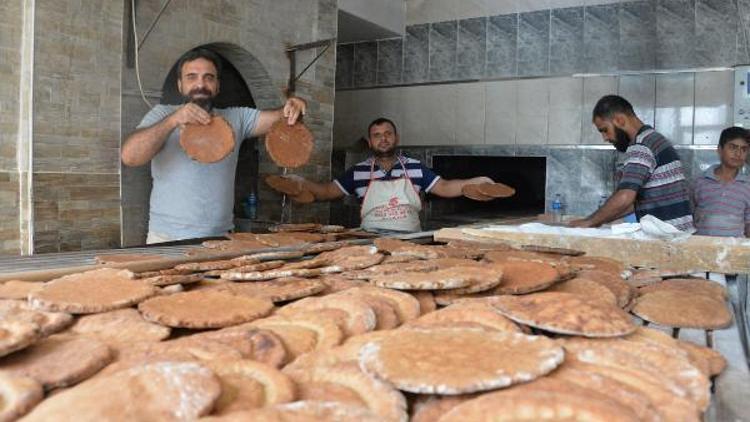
{"x": 691, "y": 285}
{"x": 165, "y": 391}
{"x": 626, "y": 395}
{"x": 336, "y": 283}
{"x": 496, "y": 190}
{"x": 48, "y": 322}
{"x": 669, "y": 406}
{"x": 302, "y": 411}
{"x": 18, "y": 395}
{"x": 406, "y": 306}
{"x": 521, "y": 277}
{"x": 168, "y": 280}
{"x": 545, "y": 399}
{"x": 706, "y": 359}
{"x": 204, "y": 309}
{"x": 434, "y": 280}
{"x": 390, "y": 244}
{"x": 289, "y": 146}
{"x": 436, "y": 361}
{"x": 251, "y": 342}
{"x": 429, "y": 408}
{"x": 183, "y": 349}
{"x": 585, "y": 288}
{"x": 15, "y": 289}
{"x": 17, "y": 335}
{"x": 482, "y": 277}
{"x": 565, "y": 313}
{"x": 249, "y": 385}
{"x": 120, "y": 326}
{"x": 675, "y": 371}
{"x": 91, "y": 292}
{"x": 208, "y": 143}
{"x": 385, "y": 269}
{"x": 472, "y": 192}
{"x": 304, "y": 197}
{"x": 360, "y": 318}
{"x": 285, "y": 185}
{"x": 279, "y": 290}
{"x": 683, "y": 309}
{"x": 378, "y": 396}
{"x": 622, "y": 291}
{"x": 481, "y": 314}
{"x": 600, "y": 263}
{"x": 303, "y": 333}
{"x": 384, "y": 308}
{"x": 59, "y": 362}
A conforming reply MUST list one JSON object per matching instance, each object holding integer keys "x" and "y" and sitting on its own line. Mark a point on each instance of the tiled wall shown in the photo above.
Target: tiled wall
{"x": 599, "y": 38}
{"x": 502, "y": 82}
{"x": 689, "y": 108}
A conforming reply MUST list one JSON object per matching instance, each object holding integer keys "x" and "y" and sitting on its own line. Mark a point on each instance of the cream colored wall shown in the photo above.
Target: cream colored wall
{"x": 689, "y": 108}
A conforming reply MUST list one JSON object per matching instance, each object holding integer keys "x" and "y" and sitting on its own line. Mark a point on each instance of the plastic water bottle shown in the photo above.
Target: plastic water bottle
{"x": 251, "y": 206}
{"x": 557, "y": 209}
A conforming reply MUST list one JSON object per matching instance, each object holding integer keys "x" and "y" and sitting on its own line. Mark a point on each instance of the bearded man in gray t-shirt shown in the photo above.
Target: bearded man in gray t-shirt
{"x": 191, "y": 199}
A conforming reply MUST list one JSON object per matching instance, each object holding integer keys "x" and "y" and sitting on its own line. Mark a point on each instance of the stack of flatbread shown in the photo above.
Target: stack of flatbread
{"x": 389, "y": 332}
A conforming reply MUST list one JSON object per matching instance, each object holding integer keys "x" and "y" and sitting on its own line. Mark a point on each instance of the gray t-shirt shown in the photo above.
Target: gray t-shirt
{"x": 191, "y": 199}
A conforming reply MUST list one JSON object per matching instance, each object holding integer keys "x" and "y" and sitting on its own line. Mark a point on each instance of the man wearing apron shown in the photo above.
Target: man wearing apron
{"x": 388, "y": 184}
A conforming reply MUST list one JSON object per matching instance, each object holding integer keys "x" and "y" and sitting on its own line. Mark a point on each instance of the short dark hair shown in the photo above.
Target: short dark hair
{"x": 199, "y": 53}
{"x": 380, "y": 121}
{"x": 608, "y": 105}
{"x": 732, "y": 133}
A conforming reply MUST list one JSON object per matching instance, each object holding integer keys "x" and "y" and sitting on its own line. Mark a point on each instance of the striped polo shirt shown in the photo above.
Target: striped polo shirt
{"x": 356, "y": 179}
{"x": 721, "y": 209}
{"x": 653, "y": 169}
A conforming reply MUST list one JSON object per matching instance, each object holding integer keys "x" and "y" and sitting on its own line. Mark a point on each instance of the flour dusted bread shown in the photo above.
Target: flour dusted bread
{"x": 346, "y": 382}
{"x": 458, "y": 360}
{"x": 204, "y": 309}
{"x": 249, "y": 385}
{"x": 18, "y": 395}
{"x": 91, "y": 292}
{"x": 165, "y": 391}
{"x": 683, "y": 309}
{"x": 119, "y": 326}
{"x": 208, "y": 143}
{"x": 290, "y": 146}
{"x": 59, "y": 362}
{"x": 278, "y": 290}
{"x": 566, "y": 313}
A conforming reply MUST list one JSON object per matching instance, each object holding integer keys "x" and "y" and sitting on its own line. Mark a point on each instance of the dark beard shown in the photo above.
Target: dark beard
{"x": 622, "y": 141}
{"x": 206, "y": 103}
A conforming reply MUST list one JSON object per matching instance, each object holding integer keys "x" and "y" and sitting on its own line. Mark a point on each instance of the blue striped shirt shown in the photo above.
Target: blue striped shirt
{"x": 356, "y": 178}
{"x": 654, "y": 170}
{"x": 721, "y": 209}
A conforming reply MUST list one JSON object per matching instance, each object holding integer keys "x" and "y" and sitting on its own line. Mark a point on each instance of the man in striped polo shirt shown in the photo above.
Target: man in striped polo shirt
{"x": 721, "y": 195}
{"x": 388, "y": 184}
{"x": 652, "y": 182}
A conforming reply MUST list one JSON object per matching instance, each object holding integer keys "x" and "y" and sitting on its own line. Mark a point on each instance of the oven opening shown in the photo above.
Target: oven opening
{"x": 526, "y": 174}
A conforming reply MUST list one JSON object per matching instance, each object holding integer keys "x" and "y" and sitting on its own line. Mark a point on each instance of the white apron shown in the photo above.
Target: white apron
{"x": 391, "y": 204}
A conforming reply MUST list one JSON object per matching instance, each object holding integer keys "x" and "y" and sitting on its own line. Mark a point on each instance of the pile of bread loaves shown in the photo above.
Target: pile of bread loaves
{"x": 392, "y": 331}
